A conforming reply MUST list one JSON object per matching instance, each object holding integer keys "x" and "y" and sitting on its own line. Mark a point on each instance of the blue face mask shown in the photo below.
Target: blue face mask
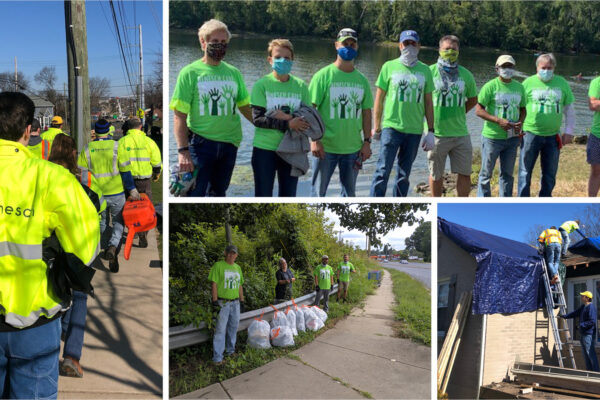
{"x": 545, "y": 74}
{"x": 282, "y": 66}
{"x": 347, "y": 53}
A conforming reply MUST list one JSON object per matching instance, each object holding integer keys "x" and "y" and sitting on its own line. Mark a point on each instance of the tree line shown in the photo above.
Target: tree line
{"x": 557, "y": 26}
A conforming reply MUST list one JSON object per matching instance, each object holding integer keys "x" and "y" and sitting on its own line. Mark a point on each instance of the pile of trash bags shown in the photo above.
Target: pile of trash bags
{"x": 284, "y": 326}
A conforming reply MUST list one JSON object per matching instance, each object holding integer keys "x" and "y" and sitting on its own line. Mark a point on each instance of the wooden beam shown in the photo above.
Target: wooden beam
{"x": 567, "y": 391}
{"x": 463, "y": 320}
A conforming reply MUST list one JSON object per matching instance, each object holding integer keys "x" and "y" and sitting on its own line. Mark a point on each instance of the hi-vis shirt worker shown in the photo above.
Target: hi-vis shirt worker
{"x": 37, "y": 198}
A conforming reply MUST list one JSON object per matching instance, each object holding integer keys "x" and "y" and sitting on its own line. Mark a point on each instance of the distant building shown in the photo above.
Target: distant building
{"x": 44, "y": 110}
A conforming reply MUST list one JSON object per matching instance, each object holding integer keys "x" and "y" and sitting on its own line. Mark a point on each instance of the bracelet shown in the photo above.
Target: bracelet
{"x": 182, "y": 149}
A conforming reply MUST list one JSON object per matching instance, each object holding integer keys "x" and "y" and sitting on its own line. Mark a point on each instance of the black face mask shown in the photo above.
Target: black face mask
{"x": 216, "y": 51}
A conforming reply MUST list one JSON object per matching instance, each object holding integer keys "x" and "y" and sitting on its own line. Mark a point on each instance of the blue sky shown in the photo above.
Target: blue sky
{"x": 34, "y": 31}
{"x": 511, "y": 220}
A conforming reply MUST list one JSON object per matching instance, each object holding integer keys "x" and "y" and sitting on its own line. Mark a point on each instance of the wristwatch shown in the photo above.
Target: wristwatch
{"x": 182, "y": 149}
{"x": 369, "y": 139}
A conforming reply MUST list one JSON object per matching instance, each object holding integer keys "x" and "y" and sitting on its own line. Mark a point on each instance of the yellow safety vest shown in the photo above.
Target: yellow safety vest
{"x": 88, "y": 179}
{"x": 550, "y": 236}
{"x": 41, "y": 150}
{"x": 38, "y": 198}
{"x": 141, "y": 151}
{"x": 50, "y": 134}
{"x": 103, "y": 159}
{"x": 569, "y": 226}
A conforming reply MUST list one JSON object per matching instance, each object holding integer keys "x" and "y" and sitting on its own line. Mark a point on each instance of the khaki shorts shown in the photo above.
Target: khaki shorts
{"x": 344, "y": 286}
{"x": 460, "y": 151}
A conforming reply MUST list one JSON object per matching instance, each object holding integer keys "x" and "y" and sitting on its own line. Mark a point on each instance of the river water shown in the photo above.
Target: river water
{"x": 248, "y": 53}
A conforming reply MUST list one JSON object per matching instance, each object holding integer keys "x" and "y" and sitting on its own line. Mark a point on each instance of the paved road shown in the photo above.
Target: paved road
{"x": 122, "y": 346}
{"x": 419, "y": 271}
{"x": 359, "y": 355}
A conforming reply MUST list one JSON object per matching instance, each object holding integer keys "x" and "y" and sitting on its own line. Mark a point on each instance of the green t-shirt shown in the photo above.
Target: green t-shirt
{"x": 344, "y": 269}
{"x": 449, "y": 104}
{"x": 323, "y": 274}
{"x": 272, "y": 94}
{"x": 340, "y": 98}
{"x": 595, "y": 92}
{"x": 209, "y": 95}
{"x": 502, "y": 100}
{"x": 405, "y": 88}
{"x": 228, "y": 279}
{"x": 545, "y": 103}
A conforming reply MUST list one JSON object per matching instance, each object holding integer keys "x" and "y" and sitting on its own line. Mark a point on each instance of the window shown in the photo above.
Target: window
{"x": 443, "y": 297}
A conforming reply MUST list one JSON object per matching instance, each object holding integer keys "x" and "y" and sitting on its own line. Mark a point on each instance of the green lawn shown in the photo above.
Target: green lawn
{"x": 412, "y": 309}
{"x": 191, "y": 368}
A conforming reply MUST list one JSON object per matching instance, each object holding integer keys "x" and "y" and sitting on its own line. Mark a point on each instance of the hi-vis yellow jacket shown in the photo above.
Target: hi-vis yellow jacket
{"x": 88, "y": 179}
{"x": 50, "y": 134}
{"x": 550, "y": 236}
{"x": 141, "y": 151}
{"x": 41, "y": 150}
{"x": 36, "y": 199}
{"x": 104, "y": 160}
{"x": 569, "y": 226}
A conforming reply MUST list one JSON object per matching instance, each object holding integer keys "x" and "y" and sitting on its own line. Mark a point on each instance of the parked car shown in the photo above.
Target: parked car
{"x": 403, "y": 262}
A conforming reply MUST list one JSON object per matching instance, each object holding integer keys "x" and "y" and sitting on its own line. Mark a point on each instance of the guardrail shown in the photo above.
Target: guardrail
{"x": 183, "y": 336}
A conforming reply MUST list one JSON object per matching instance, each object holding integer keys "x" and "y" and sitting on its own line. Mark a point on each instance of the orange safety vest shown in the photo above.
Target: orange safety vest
{"x": 550, "y": 236}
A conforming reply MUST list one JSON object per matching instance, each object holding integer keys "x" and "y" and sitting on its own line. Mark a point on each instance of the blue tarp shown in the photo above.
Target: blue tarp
{"x": 508, "y": 278}
{"x": 588, "y": 247}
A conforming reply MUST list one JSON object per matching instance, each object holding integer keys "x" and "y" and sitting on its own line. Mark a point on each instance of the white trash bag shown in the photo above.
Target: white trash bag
{"x": 291, "y": 317}
{"x": 258, "y": 334}
{"x": 312, "y": 322}
{"x": 279, "y": 319}
{"x": 320, "y": 313}
{"x": 282, "y": 336}
{"x": 300, "y": 327}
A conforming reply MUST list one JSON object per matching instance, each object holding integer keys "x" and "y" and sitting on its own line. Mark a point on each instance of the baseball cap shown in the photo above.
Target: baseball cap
{"x": 57, "y": 120}
{"x": 505, "y": 58}
{"x": 347, "y": 33}
{"x": 231, "y": 249}
{"x": 409, "y": 35}
{"x": 587, "y": 294}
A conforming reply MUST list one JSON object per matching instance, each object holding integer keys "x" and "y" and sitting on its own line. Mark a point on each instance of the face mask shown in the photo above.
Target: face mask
{"x": 216, "y": 51}
{"x": 450, "y": 55}
{"x": 408, "y": 55}
{"x": 545, "y": 74}
{"x": 282, "y": 66}
{"x": 506, "y": 73}
{"x": 347, "y": 53}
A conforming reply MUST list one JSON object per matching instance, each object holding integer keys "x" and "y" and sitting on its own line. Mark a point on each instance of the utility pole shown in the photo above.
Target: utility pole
{"x": 16, "y": 76}
{"x": 77, "y": 58}
{"x": 142, "y": 105}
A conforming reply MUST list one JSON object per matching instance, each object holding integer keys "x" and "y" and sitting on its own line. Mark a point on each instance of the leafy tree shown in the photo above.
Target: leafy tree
{"x": 376, "y": 220}
{"x": 420, "y": 240}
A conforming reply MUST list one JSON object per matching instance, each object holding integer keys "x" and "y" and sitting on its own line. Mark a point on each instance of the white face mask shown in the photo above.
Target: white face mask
{"x": 546, "y": 74}
{"x": 409, "y": 55}
{"x": 506, "y": 73}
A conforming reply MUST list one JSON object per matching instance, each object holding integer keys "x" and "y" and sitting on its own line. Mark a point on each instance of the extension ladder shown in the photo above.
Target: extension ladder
{"x": 556, "y": 322}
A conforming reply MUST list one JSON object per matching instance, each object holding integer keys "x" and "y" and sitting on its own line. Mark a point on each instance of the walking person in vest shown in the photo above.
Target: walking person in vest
{"x": 565, "y": 230}
{"x": 55, "y": 129}
{"x": 144, "y": 156}
{"x": 551, "y": 241}
{"x": 228, "y": 301}
{"x": 112, "y": 170}
{"x": 39, "y": 199}
{"x": 587, "y": 315}
{"x": 37, "y": 145}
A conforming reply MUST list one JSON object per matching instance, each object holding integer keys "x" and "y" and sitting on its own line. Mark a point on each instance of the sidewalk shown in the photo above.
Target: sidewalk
{"x": 122, "y": 351}
{"x": 357, "y": 358}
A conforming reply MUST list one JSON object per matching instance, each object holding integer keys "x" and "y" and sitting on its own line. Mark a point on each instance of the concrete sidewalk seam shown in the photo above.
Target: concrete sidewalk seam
{"x": 225, "y": 390}
{"x": 374, "y": 355}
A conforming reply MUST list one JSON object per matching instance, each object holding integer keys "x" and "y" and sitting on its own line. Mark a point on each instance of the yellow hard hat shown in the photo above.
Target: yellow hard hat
{"x": 587, "y": 294}
{"x": 57, "y": 120}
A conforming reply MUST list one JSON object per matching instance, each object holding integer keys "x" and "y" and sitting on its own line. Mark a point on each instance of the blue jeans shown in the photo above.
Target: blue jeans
{"x": 552, "y": 254}
{"x": 531, "y": 147}
{"x": 265, "y": 163}
{"x": 226, "y": 329}
{"x": 393, "y": 143}
{"x": 29, "y": 362}
{"x": 491, "y": 149}
{"x": 588, "y": 348}
{"x": 114, "y": 205}
{"x": 324, "y": 169}
{"x": 215, "y": 162}
{"x": 566, "y": 241}
{"x": 73, "y": 324}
